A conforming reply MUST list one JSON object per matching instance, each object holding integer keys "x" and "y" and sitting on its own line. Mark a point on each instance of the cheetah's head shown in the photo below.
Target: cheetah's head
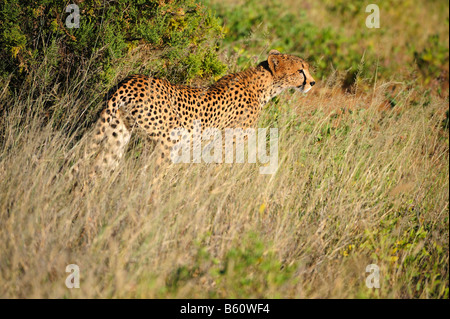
{"x": 290, "y": 71}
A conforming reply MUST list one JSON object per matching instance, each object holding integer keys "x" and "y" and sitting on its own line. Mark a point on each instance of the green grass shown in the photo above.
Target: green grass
{"x": 333, "y": 37}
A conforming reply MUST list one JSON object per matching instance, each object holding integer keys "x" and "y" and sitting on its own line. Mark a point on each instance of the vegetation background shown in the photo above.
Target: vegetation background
{"x": 364, "y": 157}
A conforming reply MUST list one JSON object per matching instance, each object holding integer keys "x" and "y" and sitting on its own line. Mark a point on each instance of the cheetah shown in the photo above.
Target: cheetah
{"x": 156, "y": 107}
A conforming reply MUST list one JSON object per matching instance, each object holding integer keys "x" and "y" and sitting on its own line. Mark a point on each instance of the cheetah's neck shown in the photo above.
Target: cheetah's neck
{"x": 259, "y": 79}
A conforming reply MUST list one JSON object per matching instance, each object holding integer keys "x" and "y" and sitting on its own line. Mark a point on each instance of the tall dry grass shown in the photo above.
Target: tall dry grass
{"x": 355, "y": 186}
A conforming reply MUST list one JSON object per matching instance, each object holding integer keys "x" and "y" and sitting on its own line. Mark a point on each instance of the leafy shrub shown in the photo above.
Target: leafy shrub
{"x": 171, "y": 33}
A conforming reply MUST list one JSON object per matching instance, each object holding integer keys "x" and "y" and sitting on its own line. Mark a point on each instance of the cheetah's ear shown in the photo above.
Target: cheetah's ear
{"x": 273, "y": 60}
{"x": 274, "y": 52}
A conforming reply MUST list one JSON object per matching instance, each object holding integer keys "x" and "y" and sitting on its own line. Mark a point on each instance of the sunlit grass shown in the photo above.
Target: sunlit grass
{"x": 355, "y": 186}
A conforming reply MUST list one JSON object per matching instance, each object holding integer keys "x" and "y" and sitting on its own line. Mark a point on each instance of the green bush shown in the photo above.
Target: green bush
{"x": 172, "y": 33}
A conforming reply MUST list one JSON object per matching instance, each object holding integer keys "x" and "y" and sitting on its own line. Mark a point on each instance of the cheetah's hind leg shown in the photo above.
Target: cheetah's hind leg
{"x": 105, "y": 147}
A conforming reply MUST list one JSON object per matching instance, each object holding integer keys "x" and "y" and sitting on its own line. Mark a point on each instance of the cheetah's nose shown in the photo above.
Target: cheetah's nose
{"x": 312, "y": 83}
